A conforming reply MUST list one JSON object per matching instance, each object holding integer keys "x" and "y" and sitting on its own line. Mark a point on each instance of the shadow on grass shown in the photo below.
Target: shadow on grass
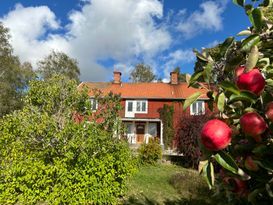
{"x": 143, "y": 200}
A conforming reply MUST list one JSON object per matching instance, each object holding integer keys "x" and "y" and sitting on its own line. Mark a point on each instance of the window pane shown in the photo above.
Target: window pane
{"x": 194, "y": 108}
{"x": 200, "y": 108}
{"x": 138, "y": 106}
{"x": 130, "y": 106}
{"x": 93, "y": 104}
{"x": 152, "y": 130}
{"x": 143, "y": 106}
{"x": 129, "y": 128}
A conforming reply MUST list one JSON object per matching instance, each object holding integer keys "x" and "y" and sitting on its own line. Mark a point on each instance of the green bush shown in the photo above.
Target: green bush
{"x": 48, "y": 158}
{"x": 150, "y": 153}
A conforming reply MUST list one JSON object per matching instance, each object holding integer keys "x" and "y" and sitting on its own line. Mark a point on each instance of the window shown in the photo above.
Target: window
{"x": 129, "y": 128}
{"x": 130, "y": 106}
{"x": 136, "y": 106}
{"x": 94, "y": 104}
{"x": 152, "y": 129}
{"x": 197, "y": 108}
{"x": 141, "y": 106}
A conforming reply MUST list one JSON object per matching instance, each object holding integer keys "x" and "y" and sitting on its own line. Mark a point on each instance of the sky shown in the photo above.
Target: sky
{"x": 108, "y": 35}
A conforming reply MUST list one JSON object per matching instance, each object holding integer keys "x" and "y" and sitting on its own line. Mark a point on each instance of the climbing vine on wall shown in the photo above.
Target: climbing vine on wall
{"x": 166, "y": 115}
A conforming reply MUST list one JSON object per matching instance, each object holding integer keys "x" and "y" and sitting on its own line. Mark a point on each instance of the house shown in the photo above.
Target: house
{"x": 142, "y": 101}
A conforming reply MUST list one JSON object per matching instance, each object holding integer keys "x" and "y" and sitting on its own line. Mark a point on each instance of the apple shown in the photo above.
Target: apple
{"x": 252, "y": 81}
{"x": 238, "y": 186}
{"x": 252, "y": 124}
{"x": 239, "y": 70}
{"x": 269, "y": 111}
{"x": 216, "y": 135}
{"x": 250, "y": 164}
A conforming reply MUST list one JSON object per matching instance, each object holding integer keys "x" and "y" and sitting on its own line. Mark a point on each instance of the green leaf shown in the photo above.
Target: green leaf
{"x": 200, "y": 56}
{"x": 228, "y": 86}
{"x": 252, "y": 58}
{"x": 191, "y": 99}
{"x": 207, "y": 72}
{"x": 249, "y": 42}
{"x": 225, "y": 45}
{"x": 257, "y": 19}
{"x": 226, "y": 161}
{"x": 269, "y": 82}
{"x": 267, "y": 3}
{"x": 269, "y": 190}
{"x": 239, "y": 2}
{"x": 244, "y": 33}
{"x": 243, "y": 96}
{"x": 221, "y": 102}
{"x": 195, "y": 77}
{"x": 208, "y": 173}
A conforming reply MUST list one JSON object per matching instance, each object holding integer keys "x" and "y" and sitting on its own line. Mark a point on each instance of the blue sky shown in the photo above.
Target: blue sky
{"x": 107, "y": 35}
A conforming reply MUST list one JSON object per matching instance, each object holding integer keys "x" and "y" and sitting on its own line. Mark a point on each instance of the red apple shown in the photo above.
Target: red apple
{"x": 251, "y": 81}
{"x": 216, "y": 135}
{"x": 250, "y": 164}
{"x": 239, "y": 70}
{"x": 269, "y": 111}
{"x": 252, "y": 124}
{"x": 238, "y": 186}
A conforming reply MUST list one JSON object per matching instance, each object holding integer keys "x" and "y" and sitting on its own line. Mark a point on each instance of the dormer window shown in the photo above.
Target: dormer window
{"x": 197, "y": 108}
{"x": 94, "y": 104}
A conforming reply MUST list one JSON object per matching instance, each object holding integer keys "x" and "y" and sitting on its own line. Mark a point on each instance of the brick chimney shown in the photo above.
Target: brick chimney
{"x": 117, "y": 77}
{"x": 174, "y": 78}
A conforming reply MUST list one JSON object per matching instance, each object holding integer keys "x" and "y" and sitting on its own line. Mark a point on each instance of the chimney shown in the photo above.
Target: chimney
{"x": 117, "y": 77}
{"x": 174, "y": 78}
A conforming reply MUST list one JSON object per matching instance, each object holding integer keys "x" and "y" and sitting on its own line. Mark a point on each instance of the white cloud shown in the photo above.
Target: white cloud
{"x": 177, "y": 58}
{"x": 207, "y": 18}
{"x": 27, "y": 26}
{"x": 102, "y": 29}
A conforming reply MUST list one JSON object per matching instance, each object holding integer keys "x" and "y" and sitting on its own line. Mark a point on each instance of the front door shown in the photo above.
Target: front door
{"x": 140, "y": 131}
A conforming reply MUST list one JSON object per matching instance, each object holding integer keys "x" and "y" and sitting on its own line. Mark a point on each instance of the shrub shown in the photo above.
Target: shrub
{"x": 150, "y": 153}
{"x": 187, "y": 136}
{"x": 48, "y": 158}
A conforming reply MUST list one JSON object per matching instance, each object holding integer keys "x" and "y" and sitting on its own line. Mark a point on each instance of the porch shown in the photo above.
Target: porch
{"x": 138, "y": 131}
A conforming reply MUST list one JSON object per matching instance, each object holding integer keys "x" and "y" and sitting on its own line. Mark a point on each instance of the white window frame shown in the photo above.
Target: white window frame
{"x": 92, "y": 100}
{"x": 135, "y": 102}
{"x": 146, "y": 106}
{"x": 127, "y": 105}
{"x": 203, "y": 108}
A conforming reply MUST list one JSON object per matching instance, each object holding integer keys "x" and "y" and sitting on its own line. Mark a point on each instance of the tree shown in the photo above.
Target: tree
{"x": 14, "y": 76}
{"x": 181, "y": 76}
{"x": 142, "y": 73}
{"x": 49, "y": 158}
{"x": 237, "y": 147}
{"x": 59, "y": 63}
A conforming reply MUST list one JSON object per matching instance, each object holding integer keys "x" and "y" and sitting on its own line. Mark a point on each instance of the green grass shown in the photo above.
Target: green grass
{"x": 167, "y": 184}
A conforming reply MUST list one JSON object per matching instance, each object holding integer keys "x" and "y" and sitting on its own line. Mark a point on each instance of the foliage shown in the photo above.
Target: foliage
{"x": 187, "y": 136}
{"x": 166, "y": 115}
{"x": 14, "y": 76}
{"x": 108, "y": 113}
{"x": 59, "y": 63}
{"x": 240, "y": 180}
{"x": 47, "y": 157}
{"x": 142, "y": 73}
{"x": 150, "y": 153}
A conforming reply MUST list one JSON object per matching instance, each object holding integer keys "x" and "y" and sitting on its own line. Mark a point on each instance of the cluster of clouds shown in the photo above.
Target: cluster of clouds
{"x": 121, "y": 30}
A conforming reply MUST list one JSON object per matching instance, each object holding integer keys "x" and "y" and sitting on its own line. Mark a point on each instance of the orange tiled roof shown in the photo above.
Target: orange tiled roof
{"x": 145, "y": 90}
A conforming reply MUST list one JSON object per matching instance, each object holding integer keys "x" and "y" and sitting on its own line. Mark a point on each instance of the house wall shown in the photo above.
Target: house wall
{"x": 155, "y": 105}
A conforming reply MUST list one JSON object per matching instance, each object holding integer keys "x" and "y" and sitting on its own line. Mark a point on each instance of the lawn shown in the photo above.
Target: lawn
{"x": 167, "y": 184}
